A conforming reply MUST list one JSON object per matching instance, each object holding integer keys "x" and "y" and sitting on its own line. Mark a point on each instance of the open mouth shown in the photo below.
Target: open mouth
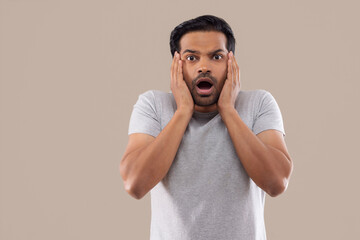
{"x": 204, "y": 86}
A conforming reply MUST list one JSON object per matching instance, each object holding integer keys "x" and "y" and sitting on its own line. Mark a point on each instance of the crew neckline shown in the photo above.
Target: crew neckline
{"x": 205, "y": 114}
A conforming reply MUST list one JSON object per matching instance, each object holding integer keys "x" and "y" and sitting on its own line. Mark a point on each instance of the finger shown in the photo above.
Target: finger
{"x": 236, "y": 70}
{"x": 172, "y": 67}
{"x": 235, "y": 77}
{"x": 229, "y": 72}
{"x": 180, "y": 70}
{"x": 177, "y": 79}
{"x": 233, "y": 58}
{"x": 174, "y": 70}
{"x": 236, "y": 67}
{"x": 233, "y": 69}
{"x": 173, "y": 60}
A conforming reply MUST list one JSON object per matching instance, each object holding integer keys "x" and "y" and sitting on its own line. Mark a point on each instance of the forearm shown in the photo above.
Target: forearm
{"x": 149, "y": 165}
{"x": 268, "y": 167}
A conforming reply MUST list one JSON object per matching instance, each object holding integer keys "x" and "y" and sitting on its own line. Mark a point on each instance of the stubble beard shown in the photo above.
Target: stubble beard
{"x": 204, "y": 100}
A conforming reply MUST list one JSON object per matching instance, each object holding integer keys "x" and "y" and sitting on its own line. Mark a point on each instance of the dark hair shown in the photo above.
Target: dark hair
{"x": 202, "y": 23}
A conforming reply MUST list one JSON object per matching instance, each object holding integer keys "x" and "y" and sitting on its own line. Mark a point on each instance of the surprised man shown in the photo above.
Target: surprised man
{"x": 207, "y": 151}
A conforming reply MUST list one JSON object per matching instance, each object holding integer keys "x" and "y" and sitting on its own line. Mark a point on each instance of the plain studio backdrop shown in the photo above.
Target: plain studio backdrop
{"x": 71, "y": 72}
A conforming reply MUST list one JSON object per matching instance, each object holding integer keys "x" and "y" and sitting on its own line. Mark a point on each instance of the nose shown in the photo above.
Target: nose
{"x": 204, "y": 67}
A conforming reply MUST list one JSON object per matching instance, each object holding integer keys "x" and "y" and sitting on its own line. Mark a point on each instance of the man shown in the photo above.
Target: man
{"x": 208, "y": 151}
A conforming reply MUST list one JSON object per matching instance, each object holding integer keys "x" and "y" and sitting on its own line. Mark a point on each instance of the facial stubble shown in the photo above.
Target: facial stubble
{"x": 204, "y": 100}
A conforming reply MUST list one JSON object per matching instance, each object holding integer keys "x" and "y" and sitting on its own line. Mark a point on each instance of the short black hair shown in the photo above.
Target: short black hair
{"x": 202, "y": 23}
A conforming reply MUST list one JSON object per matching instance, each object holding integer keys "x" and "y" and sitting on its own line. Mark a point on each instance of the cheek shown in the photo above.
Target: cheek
{"x": 222, "y": 72}
{"x": 187, "y": 73}
{"x": 222, "y": 75}
{"x": 225, "y": 71}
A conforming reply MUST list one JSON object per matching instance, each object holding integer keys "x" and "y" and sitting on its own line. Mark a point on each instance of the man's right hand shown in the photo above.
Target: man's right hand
{"x": 183, "y": 98}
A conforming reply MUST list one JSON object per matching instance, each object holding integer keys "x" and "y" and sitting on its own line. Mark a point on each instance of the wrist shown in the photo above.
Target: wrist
{"x": 223, "y": 110}
{"x": 185, "y": 112}
{"x": 227, "y": 111}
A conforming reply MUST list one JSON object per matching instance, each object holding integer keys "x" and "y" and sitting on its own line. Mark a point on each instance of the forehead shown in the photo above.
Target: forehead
{"x": 203, "y": 41}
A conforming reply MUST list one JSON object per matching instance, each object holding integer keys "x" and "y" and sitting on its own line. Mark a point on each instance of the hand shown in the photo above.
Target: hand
{"x": 183, "y": 98}
{"x": 231, "y": 86}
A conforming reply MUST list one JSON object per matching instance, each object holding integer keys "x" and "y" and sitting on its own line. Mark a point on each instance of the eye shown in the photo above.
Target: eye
{"x": 217, "y": 57}
{"x": 190, "y": 58}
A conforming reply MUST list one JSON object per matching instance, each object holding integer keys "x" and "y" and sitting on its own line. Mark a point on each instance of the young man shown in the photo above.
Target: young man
{"x": 208, "y": 151}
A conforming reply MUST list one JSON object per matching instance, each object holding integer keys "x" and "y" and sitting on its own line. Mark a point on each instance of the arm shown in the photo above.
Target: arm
{"x": 147, "y": 159}
{"x": 264, "y": 156}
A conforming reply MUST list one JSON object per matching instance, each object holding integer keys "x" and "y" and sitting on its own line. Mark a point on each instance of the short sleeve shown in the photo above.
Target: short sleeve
{"x": 268, "y": 115}
{"x": 144, "y": 118}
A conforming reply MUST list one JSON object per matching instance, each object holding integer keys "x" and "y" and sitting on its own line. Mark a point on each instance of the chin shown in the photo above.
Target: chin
{"x": 205, "y": 101}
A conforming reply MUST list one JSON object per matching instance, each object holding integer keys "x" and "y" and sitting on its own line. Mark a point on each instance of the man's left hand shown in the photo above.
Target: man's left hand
{"x": 231, "y": 86}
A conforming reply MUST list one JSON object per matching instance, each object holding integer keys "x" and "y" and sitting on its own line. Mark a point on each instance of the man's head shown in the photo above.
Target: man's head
{"x": 203, "y": 23}
{"x": 203, "y": 44}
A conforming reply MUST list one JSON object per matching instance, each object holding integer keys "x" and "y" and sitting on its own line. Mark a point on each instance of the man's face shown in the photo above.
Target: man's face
{"x": 205, "y": 57}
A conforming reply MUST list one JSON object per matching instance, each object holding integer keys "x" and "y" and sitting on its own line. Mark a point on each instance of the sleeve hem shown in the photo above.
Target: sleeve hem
{"x": 256, "y": 132}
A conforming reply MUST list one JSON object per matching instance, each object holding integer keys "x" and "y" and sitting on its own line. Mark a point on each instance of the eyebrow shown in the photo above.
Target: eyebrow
{"x": 210, "y": 53}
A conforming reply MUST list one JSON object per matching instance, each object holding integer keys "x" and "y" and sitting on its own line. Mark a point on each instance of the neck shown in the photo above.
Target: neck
{"x": 205, "y": 109}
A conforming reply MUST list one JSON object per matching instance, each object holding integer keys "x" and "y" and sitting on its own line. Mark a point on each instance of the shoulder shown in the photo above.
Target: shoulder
{"x": 156, "y": 95}
{"x": 252, "y": 96}
{"x": 252, "y": 102}
{"x": 257, "y": 93}
{"x": 157, "y": 99}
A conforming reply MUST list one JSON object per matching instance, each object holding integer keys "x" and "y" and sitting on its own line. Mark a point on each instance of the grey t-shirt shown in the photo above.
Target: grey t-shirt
{"x": 206, "y": 193}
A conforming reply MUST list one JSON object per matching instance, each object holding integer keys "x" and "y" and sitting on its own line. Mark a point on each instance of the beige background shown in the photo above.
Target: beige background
{"x": 72, "y": 70}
